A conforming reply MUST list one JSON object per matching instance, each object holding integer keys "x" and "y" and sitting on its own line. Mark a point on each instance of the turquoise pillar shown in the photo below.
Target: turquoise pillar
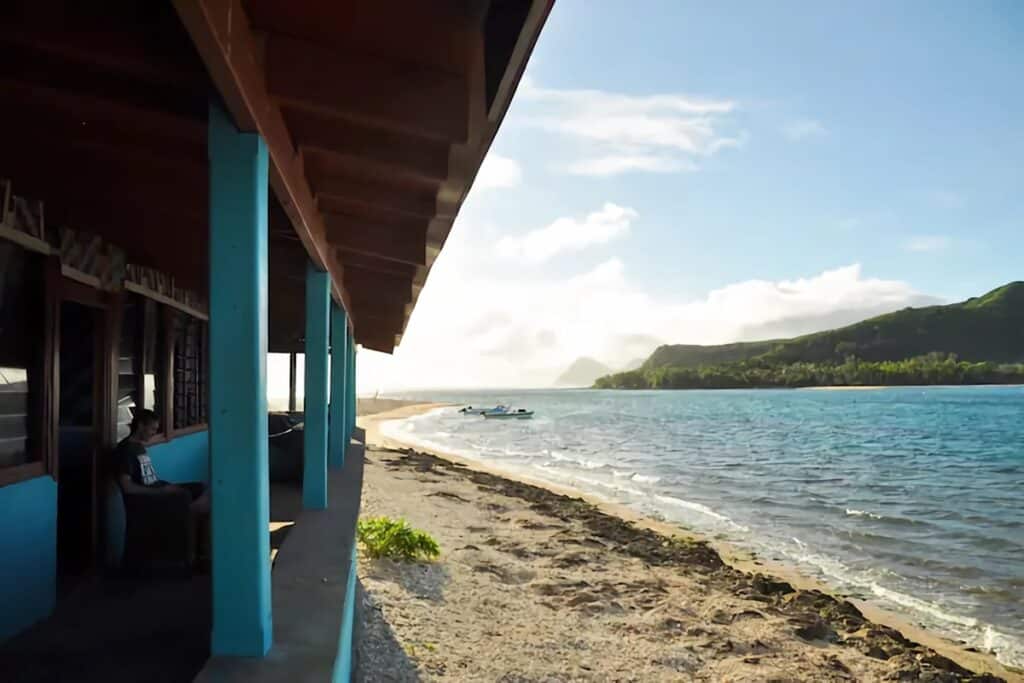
{"x": 338, "y": 434}
{"x": 318, "y": 312}
{"x": 352, "y": 384}
{"x": 239, "y": 479}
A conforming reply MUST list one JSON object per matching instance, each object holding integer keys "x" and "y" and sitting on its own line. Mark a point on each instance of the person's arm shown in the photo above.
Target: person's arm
{"x": 129, "y": 486}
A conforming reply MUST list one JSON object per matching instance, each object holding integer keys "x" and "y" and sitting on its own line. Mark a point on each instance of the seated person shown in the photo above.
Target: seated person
{"x": 136, "y": 473}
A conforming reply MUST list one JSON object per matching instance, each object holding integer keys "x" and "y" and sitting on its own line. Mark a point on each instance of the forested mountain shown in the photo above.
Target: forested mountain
{"x": 957, "y": 343}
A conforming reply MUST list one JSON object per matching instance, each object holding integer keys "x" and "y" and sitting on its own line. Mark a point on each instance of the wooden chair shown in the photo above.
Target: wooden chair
{"x": 159, "y": 535}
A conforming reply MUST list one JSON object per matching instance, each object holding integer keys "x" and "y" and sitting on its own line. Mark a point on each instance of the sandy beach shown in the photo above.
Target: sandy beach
{"x": 537, "y": 584}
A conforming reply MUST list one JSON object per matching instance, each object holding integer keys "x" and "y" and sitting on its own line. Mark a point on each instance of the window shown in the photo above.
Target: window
{"x": 21, "y": 356}
{"x": 190, "y": 371}
{"x": 141, "y": 367}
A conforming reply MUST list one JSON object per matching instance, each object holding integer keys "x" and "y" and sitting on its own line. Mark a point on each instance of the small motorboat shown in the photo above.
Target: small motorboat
{"x": 509, "y": 414}
{"x": 470, "y": 410}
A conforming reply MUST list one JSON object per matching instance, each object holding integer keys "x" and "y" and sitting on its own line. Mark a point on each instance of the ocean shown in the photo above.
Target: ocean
{"x": 910, "y": 497}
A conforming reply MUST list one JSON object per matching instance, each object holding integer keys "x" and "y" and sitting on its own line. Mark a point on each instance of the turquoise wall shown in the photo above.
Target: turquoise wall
{"x": 28, "y": 546}
{"x": 345, "y": 659}
{"x": 186, "y": 458}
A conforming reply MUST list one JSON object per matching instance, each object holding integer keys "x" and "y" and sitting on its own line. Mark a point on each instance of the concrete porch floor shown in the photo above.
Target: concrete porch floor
{"x": 114, "y": 630}
{"x": 309, "y": 581}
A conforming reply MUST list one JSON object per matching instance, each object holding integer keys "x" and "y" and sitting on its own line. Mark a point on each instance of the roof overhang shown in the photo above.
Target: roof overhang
{"x": 376, "y": 119}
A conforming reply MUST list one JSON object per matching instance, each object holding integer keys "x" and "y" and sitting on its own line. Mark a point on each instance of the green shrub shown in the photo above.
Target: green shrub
{"x": 394, "y": 538}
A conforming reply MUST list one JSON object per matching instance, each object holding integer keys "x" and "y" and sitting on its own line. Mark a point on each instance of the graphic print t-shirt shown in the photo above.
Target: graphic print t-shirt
{"x": 134, "y": 461}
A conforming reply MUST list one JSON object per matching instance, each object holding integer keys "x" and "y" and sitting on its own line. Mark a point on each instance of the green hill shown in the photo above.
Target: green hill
{"x": 983, "y": 330}
{"x": 693, "y": 355}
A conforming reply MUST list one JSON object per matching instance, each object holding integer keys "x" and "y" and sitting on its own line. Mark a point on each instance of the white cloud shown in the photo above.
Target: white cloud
{"x": 660, "y": 133}
{"x": 569, "y": 234}
{"x": 497, "y": 171}
{"x": 615, "y": 164}
{"x": 804, "y": 129}
{"x": 491, "y": 327}
{"x": 926, "y": 243}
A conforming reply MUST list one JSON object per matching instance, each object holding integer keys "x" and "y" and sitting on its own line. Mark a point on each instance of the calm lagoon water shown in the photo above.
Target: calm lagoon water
{"x": 912, "y": 497}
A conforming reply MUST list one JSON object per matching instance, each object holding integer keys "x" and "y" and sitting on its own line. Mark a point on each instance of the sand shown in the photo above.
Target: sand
{"x": 537, "y": 585}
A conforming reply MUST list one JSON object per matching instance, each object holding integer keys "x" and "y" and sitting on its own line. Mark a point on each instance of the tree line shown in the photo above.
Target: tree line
{"x": 930, "y": 369}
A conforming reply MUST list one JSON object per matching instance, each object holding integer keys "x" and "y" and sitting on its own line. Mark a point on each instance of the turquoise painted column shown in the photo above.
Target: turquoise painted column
{"x": 240, "y": 486}
{"x": 318, "y": 312}
{"x": 352, "y": 384}
{"x": 337, "y": 437}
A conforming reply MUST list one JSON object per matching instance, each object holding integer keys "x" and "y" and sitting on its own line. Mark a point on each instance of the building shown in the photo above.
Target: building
{"x": 187, "y": 186}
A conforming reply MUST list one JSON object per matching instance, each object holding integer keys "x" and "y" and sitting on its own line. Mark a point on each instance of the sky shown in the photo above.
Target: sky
{"x": 694, "y": 172}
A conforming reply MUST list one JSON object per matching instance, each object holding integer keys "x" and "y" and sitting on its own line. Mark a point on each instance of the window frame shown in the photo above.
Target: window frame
{"x": 58, "y": 286}
{"x": 43, "y": 425}
{"x": 162, "y": 373}
{"x": 169, "y": 313}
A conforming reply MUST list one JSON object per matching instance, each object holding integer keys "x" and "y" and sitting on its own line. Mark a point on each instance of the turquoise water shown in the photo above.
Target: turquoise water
{"x": 911, "y": 497}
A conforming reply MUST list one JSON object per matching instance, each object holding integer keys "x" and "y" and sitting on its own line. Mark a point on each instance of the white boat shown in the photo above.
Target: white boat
{"x": 509, "y": 414}
{"x": 470, "y": 410}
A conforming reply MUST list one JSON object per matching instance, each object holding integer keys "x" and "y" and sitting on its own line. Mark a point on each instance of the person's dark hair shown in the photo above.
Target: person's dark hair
{"x": 144, "y": 416}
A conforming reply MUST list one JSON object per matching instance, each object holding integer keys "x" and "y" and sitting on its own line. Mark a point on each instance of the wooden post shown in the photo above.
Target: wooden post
{"x": 292, "y": 368}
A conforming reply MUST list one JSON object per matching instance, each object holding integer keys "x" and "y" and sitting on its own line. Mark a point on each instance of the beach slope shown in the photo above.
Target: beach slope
{"x": 534, "y": 585}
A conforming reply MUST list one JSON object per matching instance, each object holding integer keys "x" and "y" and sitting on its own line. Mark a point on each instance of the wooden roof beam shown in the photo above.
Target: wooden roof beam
{"x": 395, "y": 152}
{"x": 389, "y": 321}
{"x": 103, "y": 138}
{"x": 410, "y": 97}
{"x": 338, "y": 193}
{"x": 383, "y": 241}
{"x": 87, "y": 107}
{"x": 225, "y": 41}
{"x": 98, "y": 188}
{"x": 105, "y": 166}
{"x": 381, "y": 265}
{"x": 134, "y": 39}
{"x": 369, "y": 285}
{"x": 53, "y": 71}
{"x": 376, "y": 341}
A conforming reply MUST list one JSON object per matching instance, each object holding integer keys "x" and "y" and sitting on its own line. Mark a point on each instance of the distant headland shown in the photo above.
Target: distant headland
{"x": 978, "y": 341}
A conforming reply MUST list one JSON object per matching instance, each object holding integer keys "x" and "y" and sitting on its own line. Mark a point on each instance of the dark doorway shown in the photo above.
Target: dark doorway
{"x": 77, "y": 442}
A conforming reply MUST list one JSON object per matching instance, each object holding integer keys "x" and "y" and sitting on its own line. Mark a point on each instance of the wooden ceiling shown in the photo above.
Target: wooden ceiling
{"x": 376, "y": 115}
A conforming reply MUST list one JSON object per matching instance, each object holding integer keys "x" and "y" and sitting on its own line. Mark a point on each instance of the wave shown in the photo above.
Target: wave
{"x": 699, "y": 508}
{"x": 1008, "y": 650}
{"x": 609, "y": 486}
{"x": 852, "y": 512}
{"x": 581, "y": 462}
{"x": 922, "y": 606}
{"x": 645, "y": 478}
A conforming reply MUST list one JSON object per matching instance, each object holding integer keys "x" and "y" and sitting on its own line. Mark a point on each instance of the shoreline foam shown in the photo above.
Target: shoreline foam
{"x": 734, "y": 556}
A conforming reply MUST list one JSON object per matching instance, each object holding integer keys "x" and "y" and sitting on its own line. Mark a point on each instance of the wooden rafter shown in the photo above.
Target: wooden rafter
{"x": 369, "y": 262}
{"x": 399, "y": 95}
{"x": 224, "y": 38}
{"x": 383, "y": 241}
{"x": 394, "y": 152}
